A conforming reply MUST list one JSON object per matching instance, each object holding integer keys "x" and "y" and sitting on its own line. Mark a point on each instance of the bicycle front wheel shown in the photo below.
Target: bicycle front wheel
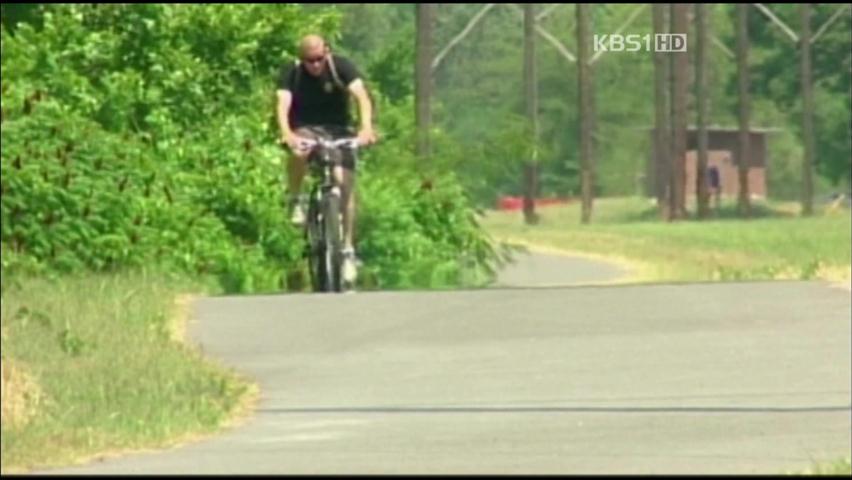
{"x": 332, "y": 234}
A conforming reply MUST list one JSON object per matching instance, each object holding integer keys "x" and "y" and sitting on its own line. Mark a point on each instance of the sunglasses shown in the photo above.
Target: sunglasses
{"x": 312, "y": 60}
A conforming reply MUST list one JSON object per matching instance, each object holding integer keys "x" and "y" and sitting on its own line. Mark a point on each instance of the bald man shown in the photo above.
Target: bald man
{"x": 313, "y": 101}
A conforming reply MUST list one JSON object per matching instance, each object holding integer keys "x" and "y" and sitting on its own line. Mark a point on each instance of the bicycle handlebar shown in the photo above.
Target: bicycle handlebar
{"x": 308, "y": 143}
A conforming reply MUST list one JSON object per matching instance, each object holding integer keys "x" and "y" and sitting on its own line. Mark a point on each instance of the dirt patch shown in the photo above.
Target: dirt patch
{"x": 840, "y": 277}
{"x": 181, "y": 311}
{"x": 21, "y": 395}
{"x": 635, "y": 271}
{"x": 837, "y": 276}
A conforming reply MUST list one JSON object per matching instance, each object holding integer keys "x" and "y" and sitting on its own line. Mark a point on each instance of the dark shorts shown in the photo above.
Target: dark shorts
{"x": 349, "y": 156}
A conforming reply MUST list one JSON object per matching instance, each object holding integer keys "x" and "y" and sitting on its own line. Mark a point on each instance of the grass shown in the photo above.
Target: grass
{"x": 775, "y": 244}
{"x": 93, "y": 364}
{"x": 838, "y": 467}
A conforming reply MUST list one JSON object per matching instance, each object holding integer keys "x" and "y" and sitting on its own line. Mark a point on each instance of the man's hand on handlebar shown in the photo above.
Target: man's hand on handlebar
{"x": 293, "y": 142}
{"x": 367, "y": 137}
{"x": 301, "y": 145}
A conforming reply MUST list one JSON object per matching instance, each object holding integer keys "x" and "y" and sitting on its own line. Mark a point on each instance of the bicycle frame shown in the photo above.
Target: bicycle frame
{"x": 323, "y": 228}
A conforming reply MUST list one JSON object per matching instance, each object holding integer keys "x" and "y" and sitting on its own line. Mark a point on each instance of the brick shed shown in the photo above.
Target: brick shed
{"x": 722, "y": 147}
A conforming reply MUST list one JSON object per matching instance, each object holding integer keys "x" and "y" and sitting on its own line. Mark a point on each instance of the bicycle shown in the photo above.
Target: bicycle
{"x": 323, "y": 226}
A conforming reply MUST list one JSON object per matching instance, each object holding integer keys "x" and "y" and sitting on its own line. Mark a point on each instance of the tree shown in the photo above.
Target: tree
{"x": 831, "y": 66}
{"x": 807, "y": 111}
{"x": 743, "y": 143}
{"x": 701, "y": 94}
{"x": 662, "y": 128}
{"x": 584, "y": 87}
{"x": 531, "y": 103}
{"x": 423, "y": 75}
{"x": 680, "y": 65}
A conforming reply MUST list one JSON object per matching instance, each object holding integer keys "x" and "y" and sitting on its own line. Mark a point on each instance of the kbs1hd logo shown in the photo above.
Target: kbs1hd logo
{"x": 660, "y": 42}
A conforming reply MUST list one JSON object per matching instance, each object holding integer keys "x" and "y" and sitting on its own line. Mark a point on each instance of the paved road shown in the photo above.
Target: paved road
{"x": 699, "y": 378}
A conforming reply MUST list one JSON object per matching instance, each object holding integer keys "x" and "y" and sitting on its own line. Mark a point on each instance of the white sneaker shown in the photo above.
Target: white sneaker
{"x": 349, "y": 269}
{"x": 298, "y": 216}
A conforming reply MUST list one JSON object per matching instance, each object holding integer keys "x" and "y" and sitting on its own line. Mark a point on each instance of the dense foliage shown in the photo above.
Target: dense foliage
{"x": 141, "y": 135}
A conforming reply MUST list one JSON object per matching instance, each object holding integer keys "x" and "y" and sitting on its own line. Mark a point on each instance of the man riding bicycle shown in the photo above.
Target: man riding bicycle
{"x": 313, "y": 101}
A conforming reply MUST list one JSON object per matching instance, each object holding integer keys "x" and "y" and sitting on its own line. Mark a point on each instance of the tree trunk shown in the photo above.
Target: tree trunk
{"x": 807, "y": 112}
{"x": 743, "y": 144}
{"x": 702, "y": 34}
{"x": 680, "y": 77}
{"x": 423, "y": 77}
{"x": 662, "y": 135}
{"x": 531, "y": 104}
{"x": 585, "y": 93}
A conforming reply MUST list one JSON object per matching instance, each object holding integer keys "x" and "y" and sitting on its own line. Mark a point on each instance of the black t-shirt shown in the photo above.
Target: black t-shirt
{"x": 319, "y": 100}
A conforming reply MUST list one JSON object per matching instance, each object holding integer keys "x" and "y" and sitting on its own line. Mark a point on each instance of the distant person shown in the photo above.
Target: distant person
{"x": 715, "y": 185}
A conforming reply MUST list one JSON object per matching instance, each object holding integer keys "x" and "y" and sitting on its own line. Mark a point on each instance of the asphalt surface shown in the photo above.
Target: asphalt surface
{"x": 620, "y": 379}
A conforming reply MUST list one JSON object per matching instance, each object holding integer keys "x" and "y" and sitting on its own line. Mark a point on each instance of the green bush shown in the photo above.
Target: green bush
{"x": 139, "y": 135}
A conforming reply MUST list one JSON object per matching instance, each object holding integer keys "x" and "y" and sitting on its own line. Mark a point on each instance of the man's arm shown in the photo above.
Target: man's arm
{"x": 285, "y": 99}
{"x": 365, "y": 110}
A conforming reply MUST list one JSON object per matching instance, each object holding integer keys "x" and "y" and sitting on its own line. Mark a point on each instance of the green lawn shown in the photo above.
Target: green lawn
{"x": 774, "y": 245}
